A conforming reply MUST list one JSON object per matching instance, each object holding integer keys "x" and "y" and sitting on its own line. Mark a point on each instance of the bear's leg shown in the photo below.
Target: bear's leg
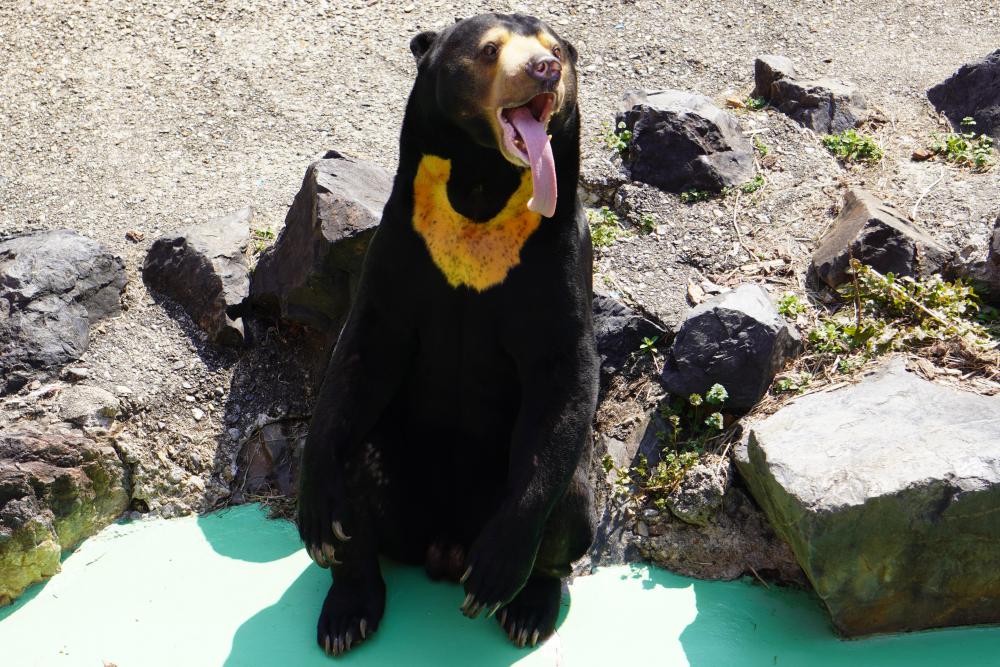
{"x": 355, "y": 603}
{"x": 391, "y": 518}
{"x": 531, "y": 616}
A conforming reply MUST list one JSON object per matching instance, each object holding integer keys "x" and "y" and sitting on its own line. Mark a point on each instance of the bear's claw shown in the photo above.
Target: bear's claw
{"x": 531, "y": 616}
{"x": 351, "y": 612}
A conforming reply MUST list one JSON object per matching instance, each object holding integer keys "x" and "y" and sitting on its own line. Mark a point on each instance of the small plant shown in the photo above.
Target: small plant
{"x": 850, "y": 146}
{"x": 753, "y": 185}
{"x": 761, "y": 147}
{"x": 647, "y": 223}
{"x": 618, "y": 138}
{"x": 790, "y": 306}
{"x": 795, "y": 383}
{"x": 262, "y": 238}
{"x": 694, "y": 196}
{"x": 965, "y": 148}
{"x": 605, "y": 228}
{"x": 691, "y": 424}
{"x": 755, "y": 103}
{"x": 648, "y": 345}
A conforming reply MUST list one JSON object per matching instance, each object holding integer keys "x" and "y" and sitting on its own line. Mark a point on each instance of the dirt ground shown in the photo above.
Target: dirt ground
{"x": 122, "y": 115}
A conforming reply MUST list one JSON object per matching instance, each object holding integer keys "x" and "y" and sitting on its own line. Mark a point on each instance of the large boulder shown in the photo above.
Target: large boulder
{"x": 308, "y": 275}
{"x": 878, "y": 236}
{"x": 56, "y": 489}
{"x": 204, "y": 269}
{"x": 619, "y": 331}
{"x": 887, "y": 492}
{"x": 823, "y": 105}
{"x": 736, "y": 339}
{"x": 972, "y": 91}
{"x": 53, "y": 286}
{"x": 681, "y": 141}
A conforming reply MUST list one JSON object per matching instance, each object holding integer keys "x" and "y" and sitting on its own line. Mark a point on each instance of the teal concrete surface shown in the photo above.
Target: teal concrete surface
{"x": 236, "y": 589}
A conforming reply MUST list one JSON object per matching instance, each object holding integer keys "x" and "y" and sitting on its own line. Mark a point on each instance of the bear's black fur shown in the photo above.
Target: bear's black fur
{"x": 453, "y": 425}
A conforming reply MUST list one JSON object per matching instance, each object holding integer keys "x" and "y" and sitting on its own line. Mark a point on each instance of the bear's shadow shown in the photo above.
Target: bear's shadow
{"x": 422, "y": 626}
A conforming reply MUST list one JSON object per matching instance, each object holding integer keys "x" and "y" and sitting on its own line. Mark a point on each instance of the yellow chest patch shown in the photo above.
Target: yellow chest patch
{"x": 476, "y": 254}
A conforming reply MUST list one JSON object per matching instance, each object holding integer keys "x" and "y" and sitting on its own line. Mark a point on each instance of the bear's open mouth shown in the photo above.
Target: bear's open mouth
{"x": 525, "y": 140}
{"x": 540, "y": 107}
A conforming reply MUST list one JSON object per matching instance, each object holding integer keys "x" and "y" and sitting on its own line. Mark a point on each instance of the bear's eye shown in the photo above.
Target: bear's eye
{"x": 490, "y": 50}
{"x": 557, "y": 52}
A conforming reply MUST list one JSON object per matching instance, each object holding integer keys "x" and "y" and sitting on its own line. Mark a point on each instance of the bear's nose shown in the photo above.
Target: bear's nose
{"x": 546, "y": 69}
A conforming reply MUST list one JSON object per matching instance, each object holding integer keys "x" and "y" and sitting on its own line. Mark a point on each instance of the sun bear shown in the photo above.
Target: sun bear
{"x": 453, "y": 426}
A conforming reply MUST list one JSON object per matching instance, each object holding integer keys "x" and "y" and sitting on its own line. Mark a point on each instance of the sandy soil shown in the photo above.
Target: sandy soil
{"x": 120, "y": 115}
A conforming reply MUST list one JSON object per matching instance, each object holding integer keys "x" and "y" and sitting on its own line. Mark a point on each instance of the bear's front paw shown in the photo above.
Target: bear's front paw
{"x": 323, "y": 522}
{"x": 351, "y": 612}
{"x": 498, "y": 566}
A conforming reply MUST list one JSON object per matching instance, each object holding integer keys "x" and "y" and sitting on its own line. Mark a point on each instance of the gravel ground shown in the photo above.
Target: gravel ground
{"x": 147, "y": 116}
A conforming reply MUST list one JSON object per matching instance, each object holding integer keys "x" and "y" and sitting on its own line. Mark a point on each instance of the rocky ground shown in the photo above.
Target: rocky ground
{"x": 127, "y": 121}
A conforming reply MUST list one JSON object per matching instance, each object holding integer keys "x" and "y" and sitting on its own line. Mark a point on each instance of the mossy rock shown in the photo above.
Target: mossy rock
{"x": 57, "y": 488}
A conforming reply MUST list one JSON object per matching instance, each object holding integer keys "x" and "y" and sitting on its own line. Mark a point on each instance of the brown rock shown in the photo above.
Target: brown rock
{"x": 876, "y": 235}
{"x": 56, "y": 488}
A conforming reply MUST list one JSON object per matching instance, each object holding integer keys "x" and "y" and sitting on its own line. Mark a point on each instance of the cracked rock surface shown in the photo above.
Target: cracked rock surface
{"x": 53, "y": 286}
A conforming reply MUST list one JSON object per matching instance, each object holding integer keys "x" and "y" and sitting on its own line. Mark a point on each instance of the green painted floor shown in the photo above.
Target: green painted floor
{"x": 236, "y": 589}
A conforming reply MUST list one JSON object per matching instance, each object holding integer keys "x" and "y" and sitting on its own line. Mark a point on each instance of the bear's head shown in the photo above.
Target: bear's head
{"x": 506, "y": 82}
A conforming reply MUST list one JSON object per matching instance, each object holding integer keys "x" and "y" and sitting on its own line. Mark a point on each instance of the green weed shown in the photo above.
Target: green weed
{"x": 753, "y": 185}
{"x": 885, "y": 313}
{"x": 790, "y": 305}
{"x": 692, "y": 423}
{"x": 794, "y": 383}
{"x": 694, "y": 196}
{"x": 648, "y": 345}
{"x": 617, "y": 138}
{"x": 605, "y": 227}
{"x": 261, "y": 238}
{"x": 965, "y": 148}
{"x": 850, "y": 146}
{"x": 761, "y": 147}
{"x": 647, "y": 223}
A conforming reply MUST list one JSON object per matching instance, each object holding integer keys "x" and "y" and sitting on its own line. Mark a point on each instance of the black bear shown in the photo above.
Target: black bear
{"x": 453, "y": 426}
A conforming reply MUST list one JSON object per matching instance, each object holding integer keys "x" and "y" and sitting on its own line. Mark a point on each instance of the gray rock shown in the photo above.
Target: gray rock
{"x": 769, "y": 69}
{"x": 735, "y": 541}
{"x": 56, "y": 489}
{"x": 84, "y": 405}
{"x": 991, "y": 274}
{"x": 308, "y": 275}
{"x": 973, "y": 91}
{"x": 681, "y": 141}
{"x": 204, "y": 269}
{"x": 879, "y": 236}
{"x": 619, "y": 331}
{"x": 53, "y": 286}
{"x": 699, "y": 497}
{"x": 736, "y": 339}
{"x": 887, "y": 492}
{"x": 824, "y": 105}
{"x": 985, "y": 273}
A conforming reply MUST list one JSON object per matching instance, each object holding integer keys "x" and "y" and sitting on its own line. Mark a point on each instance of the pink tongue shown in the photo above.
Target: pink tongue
{"x": 543, "y": 165}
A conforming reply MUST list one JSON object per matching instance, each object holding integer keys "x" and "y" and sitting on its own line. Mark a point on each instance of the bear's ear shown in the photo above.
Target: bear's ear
{"x": 421, "y": 44}
{"x": 571, "y": 50}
